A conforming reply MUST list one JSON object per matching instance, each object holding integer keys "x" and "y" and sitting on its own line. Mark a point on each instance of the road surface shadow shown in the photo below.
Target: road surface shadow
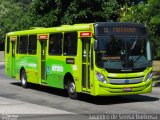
{"x": 98, "y": 100}
{"x": 157, "y": 84}
{"x": 108, "y": 100}
{"x": 50, "y": 90}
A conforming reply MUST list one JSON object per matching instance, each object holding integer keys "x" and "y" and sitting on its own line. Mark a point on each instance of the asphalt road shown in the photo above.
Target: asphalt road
{"x": 82, "y": 108}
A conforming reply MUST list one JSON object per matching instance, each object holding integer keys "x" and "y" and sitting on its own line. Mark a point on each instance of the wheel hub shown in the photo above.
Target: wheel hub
{"x": 72, "y": 88}
{"x": 23, "y": 80}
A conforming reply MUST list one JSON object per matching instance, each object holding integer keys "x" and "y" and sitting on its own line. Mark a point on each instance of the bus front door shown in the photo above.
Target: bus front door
{"x": 13, "y": 59}
{"x": 86, "y": 64}
{"x": 43, "y": 61}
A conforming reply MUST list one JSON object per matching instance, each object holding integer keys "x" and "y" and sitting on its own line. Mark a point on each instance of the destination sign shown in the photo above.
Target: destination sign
{"x": 120, "y": 30}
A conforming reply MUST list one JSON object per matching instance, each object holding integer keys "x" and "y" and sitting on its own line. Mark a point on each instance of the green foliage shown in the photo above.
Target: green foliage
{"x": 23, "y": 14}
{"x": 49, "y": 13}
{"x": 13, "y": 17}
{"x": 44, "y": 13}
{"x": 95, "y": 10}
{"x": 147, "y": 13}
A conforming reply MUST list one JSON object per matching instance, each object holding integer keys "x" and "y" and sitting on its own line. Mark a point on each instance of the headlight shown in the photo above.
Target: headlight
{"x": 100, "y": 77}
{"x": 149, "y": 76}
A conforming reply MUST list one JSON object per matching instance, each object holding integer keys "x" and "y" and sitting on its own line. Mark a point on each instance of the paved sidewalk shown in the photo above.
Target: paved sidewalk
{"x": 10, "y": 106}
{"x": 1, "y": 62}
{"x": 1, "y": 56}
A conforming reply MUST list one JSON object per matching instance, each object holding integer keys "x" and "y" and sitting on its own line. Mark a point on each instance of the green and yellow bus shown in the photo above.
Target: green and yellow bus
{"x": 100, "y": 59}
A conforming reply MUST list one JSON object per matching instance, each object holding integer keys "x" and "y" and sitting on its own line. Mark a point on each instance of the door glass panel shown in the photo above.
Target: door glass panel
{"x": 86, "y": 63}
{"x": 13, "y": 58}
{"x": 43, "y": 62}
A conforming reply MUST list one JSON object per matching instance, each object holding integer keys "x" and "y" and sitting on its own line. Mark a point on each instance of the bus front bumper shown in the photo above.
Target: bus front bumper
{"x": 116, "y": 90}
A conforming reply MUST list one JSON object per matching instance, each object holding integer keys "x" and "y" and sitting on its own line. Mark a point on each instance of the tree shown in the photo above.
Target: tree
{"x": 12, "y": 17}
{"x": 147, "y": 13}
{"x": 53, "y": 13}
{"x": 95, "y": 10}
{"x": 23, "y": 14}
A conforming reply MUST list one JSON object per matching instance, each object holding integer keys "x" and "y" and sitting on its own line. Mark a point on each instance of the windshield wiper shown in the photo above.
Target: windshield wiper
{"x": 134, "y": 43}
{"x": 126, "y": 60}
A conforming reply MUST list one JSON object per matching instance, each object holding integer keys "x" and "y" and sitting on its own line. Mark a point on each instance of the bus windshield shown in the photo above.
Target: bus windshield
{"x": 123, "y": 53}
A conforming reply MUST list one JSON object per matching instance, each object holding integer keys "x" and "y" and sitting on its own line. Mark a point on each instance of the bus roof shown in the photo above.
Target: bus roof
{"x": 63, "y": 28}
{"x": 67, "y": 28}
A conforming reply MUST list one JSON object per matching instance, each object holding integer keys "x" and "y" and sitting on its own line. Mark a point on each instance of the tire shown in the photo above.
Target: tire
{"x": 71, "y": 88}
{"x": 24, "y": 79}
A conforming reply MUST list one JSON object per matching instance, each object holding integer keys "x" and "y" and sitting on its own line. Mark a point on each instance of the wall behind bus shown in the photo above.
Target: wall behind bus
{"x": 1, "y": 56}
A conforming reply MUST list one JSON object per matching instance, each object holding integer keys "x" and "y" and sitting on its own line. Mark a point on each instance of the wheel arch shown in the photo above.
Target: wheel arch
{"x": 68, "y": 76}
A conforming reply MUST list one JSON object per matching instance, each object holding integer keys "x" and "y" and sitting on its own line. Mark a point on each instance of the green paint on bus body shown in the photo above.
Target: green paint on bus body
{"x": 56, "y": 67}
{"x": 8, "y": 67}
{"x": 56, "y": 70}
{"x": 114, "y": 89}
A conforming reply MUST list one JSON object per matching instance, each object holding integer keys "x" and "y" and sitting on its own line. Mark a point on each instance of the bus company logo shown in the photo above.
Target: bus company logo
{"x": 32, "y": 65}
{"x": 57, "y": 68}
{"x": 126, "y": 81}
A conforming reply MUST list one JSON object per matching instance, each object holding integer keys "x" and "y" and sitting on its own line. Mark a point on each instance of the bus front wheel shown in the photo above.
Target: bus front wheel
{"x": 71, "y": 88}
{"x": 24, "y": 79}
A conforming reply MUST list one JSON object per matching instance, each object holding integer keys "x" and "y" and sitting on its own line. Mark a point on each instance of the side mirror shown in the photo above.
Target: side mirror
{"x": 95, "y": 45}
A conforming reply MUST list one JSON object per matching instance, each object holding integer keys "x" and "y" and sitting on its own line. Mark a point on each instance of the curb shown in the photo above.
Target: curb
{"x": 156, "y": 83}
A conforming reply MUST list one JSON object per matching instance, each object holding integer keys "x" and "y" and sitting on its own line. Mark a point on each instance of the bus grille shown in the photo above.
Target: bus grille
{"x": 125, "y": 80}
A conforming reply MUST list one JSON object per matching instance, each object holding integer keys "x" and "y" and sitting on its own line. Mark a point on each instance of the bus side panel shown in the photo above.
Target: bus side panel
{"x": 8, "y": 65}
{"x": 56, "y": 69}
{"x": 7, "y": 60}
{"x": 32, "y": 76}
{"x": 29, "y": 63}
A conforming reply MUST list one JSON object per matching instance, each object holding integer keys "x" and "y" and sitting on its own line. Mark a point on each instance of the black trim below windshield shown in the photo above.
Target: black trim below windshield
{"x": 126, "y": 70}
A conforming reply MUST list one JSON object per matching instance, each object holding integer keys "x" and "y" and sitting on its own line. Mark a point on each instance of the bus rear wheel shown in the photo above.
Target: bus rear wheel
{"x": 71, "y": 88}
{"x": 24, "y": 79}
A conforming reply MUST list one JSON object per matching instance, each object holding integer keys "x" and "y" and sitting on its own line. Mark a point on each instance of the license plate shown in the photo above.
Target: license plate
{"x": 127, "y": 89}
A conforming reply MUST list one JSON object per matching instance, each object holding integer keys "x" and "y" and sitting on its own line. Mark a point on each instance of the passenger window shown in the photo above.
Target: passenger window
{"x": 55, "y": 44}
{"x": 70, "y": 44}
{"x": 8, "y": 44}
{"x": 17, "y": 45}
{"x": 32, "y": 48}
{"x": 23, "y": 44}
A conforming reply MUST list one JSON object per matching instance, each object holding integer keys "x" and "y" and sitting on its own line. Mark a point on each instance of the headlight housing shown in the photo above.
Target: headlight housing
{"x": 149, "y": 76}
{"x": 101, "y": 78}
